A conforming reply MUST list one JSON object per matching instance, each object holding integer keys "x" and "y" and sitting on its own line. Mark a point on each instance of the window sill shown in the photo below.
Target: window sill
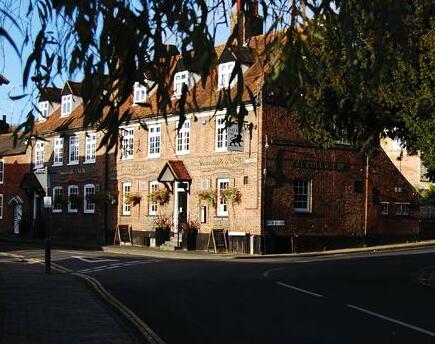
{"x": 126, "y": 215}
{"x": 73, "y": 163}
{"x": 182, "y": 153}
{"x": 73, "y": 211}
{"x": 302, "y": 212}
{"x": 221, "y": 150}
{"x": 153, "y": 156}
{"x": 87, "y": 162}
{"x": 38, "y": 167}
{"x": 128, "y": 158}
{"x": 57, "y": 165}
{"x": 89, "y": 212}
{"x": 56, "y": 211}
{"x": 221, "y": 217}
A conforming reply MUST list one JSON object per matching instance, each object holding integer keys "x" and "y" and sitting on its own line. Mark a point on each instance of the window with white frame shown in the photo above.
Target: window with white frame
{"x": 89, "y": 199}
{"x": 221, "y": 134}
{"x": 91, "y": 147}
{"x": 39, "y": 154}
{"x": 222, "y": 206}
{"x": 402, "y": 209}
{"x": 126, "y": 204}
{"x": 1, "y": 206}
{"x": 152, "y": 206}
{"x": 139, "y": 93}
{"x": 73, "y": 193}
{"x": 43, "y": 110}
{"x": 127, "y": 144}
{"x": 57, "y": 199}
{"x": 183, "y": 138}
{"x": 224, "y": 74}
{"x": 2, "y": 171}
{"x": 58, "y": 152}
{"x": 302, "y": 196}
{"x": 66, "y": 105}
{"x": 73, "y": 150}
{"x": 180, "y": 79}
{"x": 154, "y": 137}
{"x": 385, "y": 208}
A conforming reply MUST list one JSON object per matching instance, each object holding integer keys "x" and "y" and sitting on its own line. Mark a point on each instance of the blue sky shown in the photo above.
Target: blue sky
{"x": 11, "y": 66}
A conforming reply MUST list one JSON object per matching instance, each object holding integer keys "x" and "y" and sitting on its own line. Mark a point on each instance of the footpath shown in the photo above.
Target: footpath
{"x": 36, "y": 307}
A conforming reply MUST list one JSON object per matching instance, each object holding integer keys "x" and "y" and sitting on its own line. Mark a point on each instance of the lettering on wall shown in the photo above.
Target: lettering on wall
{"x": 320, "y": 165}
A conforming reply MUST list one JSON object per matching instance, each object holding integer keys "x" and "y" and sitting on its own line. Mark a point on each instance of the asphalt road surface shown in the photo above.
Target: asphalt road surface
{"x": 364, "y": 298}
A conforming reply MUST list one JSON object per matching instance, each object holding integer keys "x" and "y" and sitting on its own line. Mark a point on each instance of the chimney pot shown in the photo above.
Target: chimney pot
{"x": 4, "y": 118}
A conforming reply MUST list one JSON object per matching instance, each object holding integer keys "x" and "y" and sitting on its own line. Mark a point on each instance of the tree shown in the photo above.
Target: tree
{"x": 351, "y": 69}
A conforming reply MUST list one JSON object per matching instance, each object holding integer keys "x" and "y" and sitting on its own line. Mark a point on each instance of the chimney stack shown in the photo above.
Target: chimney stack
{"x": 246, "y": 20}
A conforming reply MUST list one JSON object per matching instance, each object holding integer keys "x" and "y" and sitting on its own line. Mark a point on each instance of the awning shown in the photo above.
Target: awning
{"x": 30, "y": 183}
{"x": 174, "y": 171}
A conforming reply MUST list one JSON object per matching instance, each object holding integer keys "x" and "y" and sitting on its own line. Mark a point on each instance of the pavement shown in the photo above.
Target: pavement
{"x": 36, "y": 307}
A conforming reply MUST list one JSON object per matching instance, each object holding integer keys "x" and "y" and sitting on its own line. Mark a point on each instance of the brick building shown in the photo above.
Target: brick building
{"x": 292, "y": 193}
{"x": 14, "y": 202}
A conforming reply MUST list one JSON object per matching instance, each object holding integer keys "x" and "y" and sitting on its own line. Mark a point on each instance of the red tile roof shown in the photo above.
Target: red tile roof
{"x": 200, "y": 97}
{"x": 179, "y": 170}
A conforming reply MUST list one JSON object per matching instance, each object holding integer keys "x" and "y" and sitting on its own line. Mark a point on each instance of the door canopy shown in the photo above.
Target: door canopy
{"x": 174, "y": 171}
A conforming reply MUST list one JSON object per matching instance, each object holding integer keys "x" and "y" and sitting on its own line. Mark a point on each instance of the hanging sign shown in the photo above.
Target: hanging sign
{"x": 235, "y": 138}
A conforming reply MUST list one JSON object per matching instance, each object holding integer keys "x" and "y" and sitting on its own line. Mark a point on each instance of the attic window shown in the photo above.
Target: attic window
{"x": 66, "y": 105}
{"x": 224, "y": 74}
{"x": 43, "y": 110}
{"x": 140, "y": 93}
{"x": 180, "y": 78}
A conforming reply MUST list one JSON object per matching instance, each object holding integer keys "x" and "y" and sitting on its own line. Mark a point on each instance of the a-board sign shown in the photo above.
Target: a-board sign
{"x": 217, "y": 241}
{"x": 123, "y": 235}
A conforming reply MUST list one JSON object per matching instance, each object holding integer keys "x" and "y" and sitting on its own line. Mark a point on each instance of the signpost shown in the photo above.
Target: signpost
{"x": 47, "y": 206}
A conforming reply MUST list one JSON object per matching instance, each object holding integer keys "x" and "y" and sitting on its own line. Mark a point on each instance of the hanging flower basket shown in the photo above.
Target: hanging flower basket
{"x": 209, "y": 196}
{"x": 160, "y": 196}
{"x": 134, "y": 198}
{"x": 232, "y": 195}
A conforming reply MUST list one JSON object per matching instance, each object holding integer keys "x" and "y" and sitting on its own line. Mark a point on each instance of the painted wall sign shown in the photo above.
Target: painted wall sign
{"x": 235, "y": 139}
{"x": 320, "y": 165}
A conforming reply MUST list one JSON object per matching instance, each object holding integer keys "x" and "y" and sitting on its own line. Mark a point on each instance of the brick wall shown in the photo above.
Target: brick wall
{"x": 203, "y": 163}
{"x": 338, "y": 180}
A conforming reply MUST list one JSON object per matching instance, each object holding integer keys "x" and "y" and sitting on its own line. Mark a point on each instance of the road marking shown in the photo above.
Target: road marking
{"x": 380, "y": 316}
{"x": 94, "y": 259}
{"x": 299, "y": 289}
{"x": 267, "y": 272}
{"x": 118, "y": 265}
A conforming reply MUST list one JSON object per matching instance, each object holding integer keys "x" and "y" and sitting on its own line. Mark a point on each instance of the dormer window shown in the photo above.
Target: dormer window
{"x": 66, "y": 105}
{"x": 180, "y": 78}
{"x": 43, "y": 110}
{"x": 139, "y": 93}
{"x": 224, "y": 74}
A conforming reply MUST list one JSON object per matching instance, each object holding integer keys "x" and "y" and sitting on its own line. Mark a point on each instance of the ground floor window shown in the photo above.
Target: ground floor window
{"x": 57, "y": 199}
{"x": 73, "y": 192}
{"x": 89, "y": 199}
{"x": 222, "y": 206}
{"x": 385, "y": 208}
{"x": 402, "y": 209}
{"x": 126, "y": 204}
{"x": 302, "y": 196}
{"x": 152, "y": 206}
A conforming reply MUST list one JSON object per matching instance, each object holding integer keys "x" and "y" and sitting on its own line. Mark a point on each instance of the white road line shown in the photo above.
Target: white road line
{"x": 267, "y": 272}
{"x": 380, "y": 316}
{"x": 299, "y": 289}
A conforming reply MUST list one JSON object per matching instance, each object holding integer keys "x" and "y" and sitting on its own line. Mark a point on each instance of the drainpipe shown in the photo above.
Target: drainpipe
{"x": 106, "y": 183}
{"x": 366, "y": 205}
{"x": 263, "y": 203}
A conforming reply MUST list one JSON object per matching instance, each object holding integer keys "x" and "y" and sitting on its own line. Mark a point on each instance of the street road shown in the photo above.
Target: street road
{"x": 363, "y": 298}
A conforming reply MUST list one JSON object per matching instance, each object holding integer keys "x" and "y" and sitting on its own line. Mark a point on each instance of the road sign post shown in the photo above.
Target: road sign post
{"x": 47, "y": 207}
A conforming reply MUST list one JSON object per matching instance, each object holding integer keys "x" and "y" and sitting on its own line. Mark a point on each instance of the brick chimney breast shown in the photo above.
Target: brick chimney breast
{"x": 246, "y": 21}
